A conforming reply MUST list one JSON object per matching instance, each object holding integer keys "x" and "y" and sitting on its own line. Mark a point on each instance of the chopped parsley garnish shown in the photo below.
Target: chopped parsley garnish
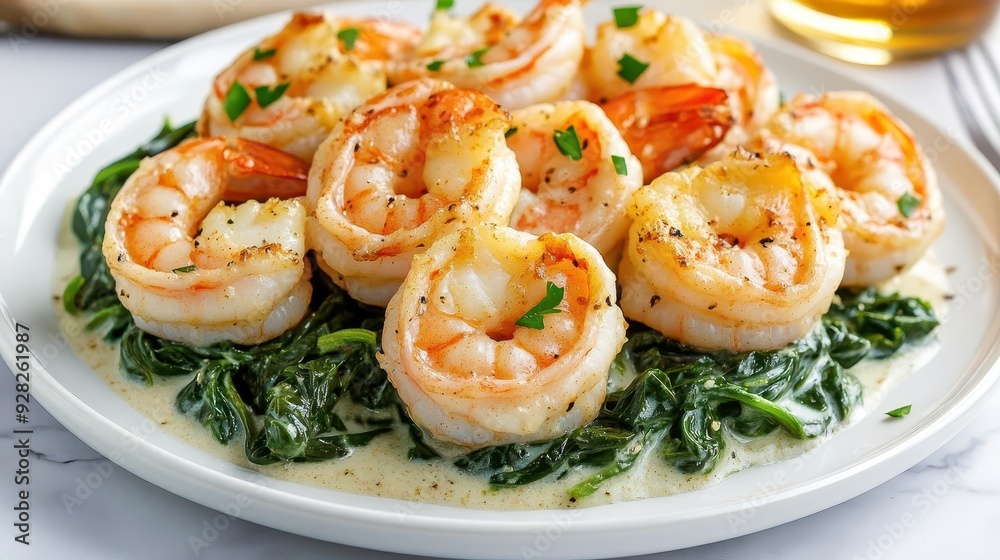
{"x": 533, "y": 318}
{"x": 568, "y": 143}
{"x": 444, "y": 4}
{"x": 899, "y": 412}
{"x": 907, "y": 204}
{"x": 349, "y": 35}
{"x": 237, "y": 100}
{"x": 183, "y": 269}
{"x": 435, "y": 65}
{"x": 263, "y": 55}
{"x": 621, "y": 167}
{"x": 630, "y": 68}
{"x": 475, "y": 60}
{"x": 510, "y": 132}
{"x": 626, "y": 16}
{"x": 267, "y": 96}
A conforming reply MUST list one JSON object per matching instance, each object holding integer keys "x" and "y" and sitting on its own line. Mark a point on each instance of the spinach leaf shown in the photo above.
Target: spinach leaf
{"x": 301, "y": 406}
{"x": 269, "y": 359}
{"x": 211, "y": 397}
{"x": 887, "y": 321}
{"x": 143, "y": 356}
{"x": 300, "y": 417}
{"x": 337, "y": 446}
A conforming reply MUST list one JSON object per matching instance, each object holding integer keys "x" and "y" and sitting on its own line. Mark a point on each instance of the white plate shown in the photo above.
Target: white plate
{"x": 127, "y": 109}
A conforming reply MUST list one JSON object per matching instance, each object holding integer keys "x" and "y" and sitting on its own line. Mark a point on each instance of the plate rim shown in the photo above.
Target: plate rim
{"x": 955, "y": 417}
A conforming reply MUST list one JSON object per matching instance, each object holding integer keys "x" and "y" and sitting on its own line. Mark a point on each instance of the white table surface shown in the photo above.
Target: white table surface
{"x": 948, "y": 506}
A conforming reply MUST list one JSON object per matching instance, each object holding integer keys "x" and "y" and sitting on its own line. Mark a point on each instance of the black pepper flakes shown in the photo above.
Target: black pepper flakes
{"x": 729, "y": 240}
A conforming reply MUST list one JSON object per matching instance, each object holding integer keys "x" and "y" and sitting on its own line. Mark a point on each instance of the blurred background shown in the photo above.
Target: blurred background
{"x": 874, "y": 32}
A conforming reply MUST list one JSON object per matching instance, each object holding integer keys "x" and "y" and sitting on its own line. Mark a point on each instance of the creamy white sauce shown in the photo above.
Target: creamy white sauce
{"x": 382, "y": 469}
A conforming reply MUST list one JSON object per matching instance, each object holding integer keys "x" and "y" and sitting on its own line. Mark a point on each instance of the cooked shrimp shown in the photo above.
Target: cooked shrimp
{"x": 677, "y": 52}
{"x": 668, "y": 126}
{"x": 191, "y": 269}
{"x": 451, "y": 36}
{"x": 752, "y": 87}
{"x": 878, "y": 168}
{"x": 581, "y": 192}
{"x": 291, "y": 89}
{"x": 379, "y": 40}
{"x": 467, "y": 372}
{"x": 532, "y": 62}
{"x": 422, "y": 160}
{"x": 744, "y": 254}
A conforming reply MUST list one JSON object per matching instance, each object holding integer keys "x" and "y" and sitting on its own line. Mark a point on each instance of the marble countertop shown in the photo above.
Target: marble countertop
{"x": 946, "y": 506}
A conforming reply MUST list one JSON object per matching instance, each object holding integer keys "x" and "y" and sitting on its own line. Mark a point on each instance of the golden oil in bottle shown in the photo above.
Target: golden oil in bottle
{"x": 880, "y": 31}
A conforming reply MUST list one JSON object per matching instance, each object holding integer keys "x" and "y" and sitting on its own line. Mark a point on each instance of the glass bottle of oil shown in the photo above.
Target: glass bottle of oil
{"x": 880, "y": 31}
